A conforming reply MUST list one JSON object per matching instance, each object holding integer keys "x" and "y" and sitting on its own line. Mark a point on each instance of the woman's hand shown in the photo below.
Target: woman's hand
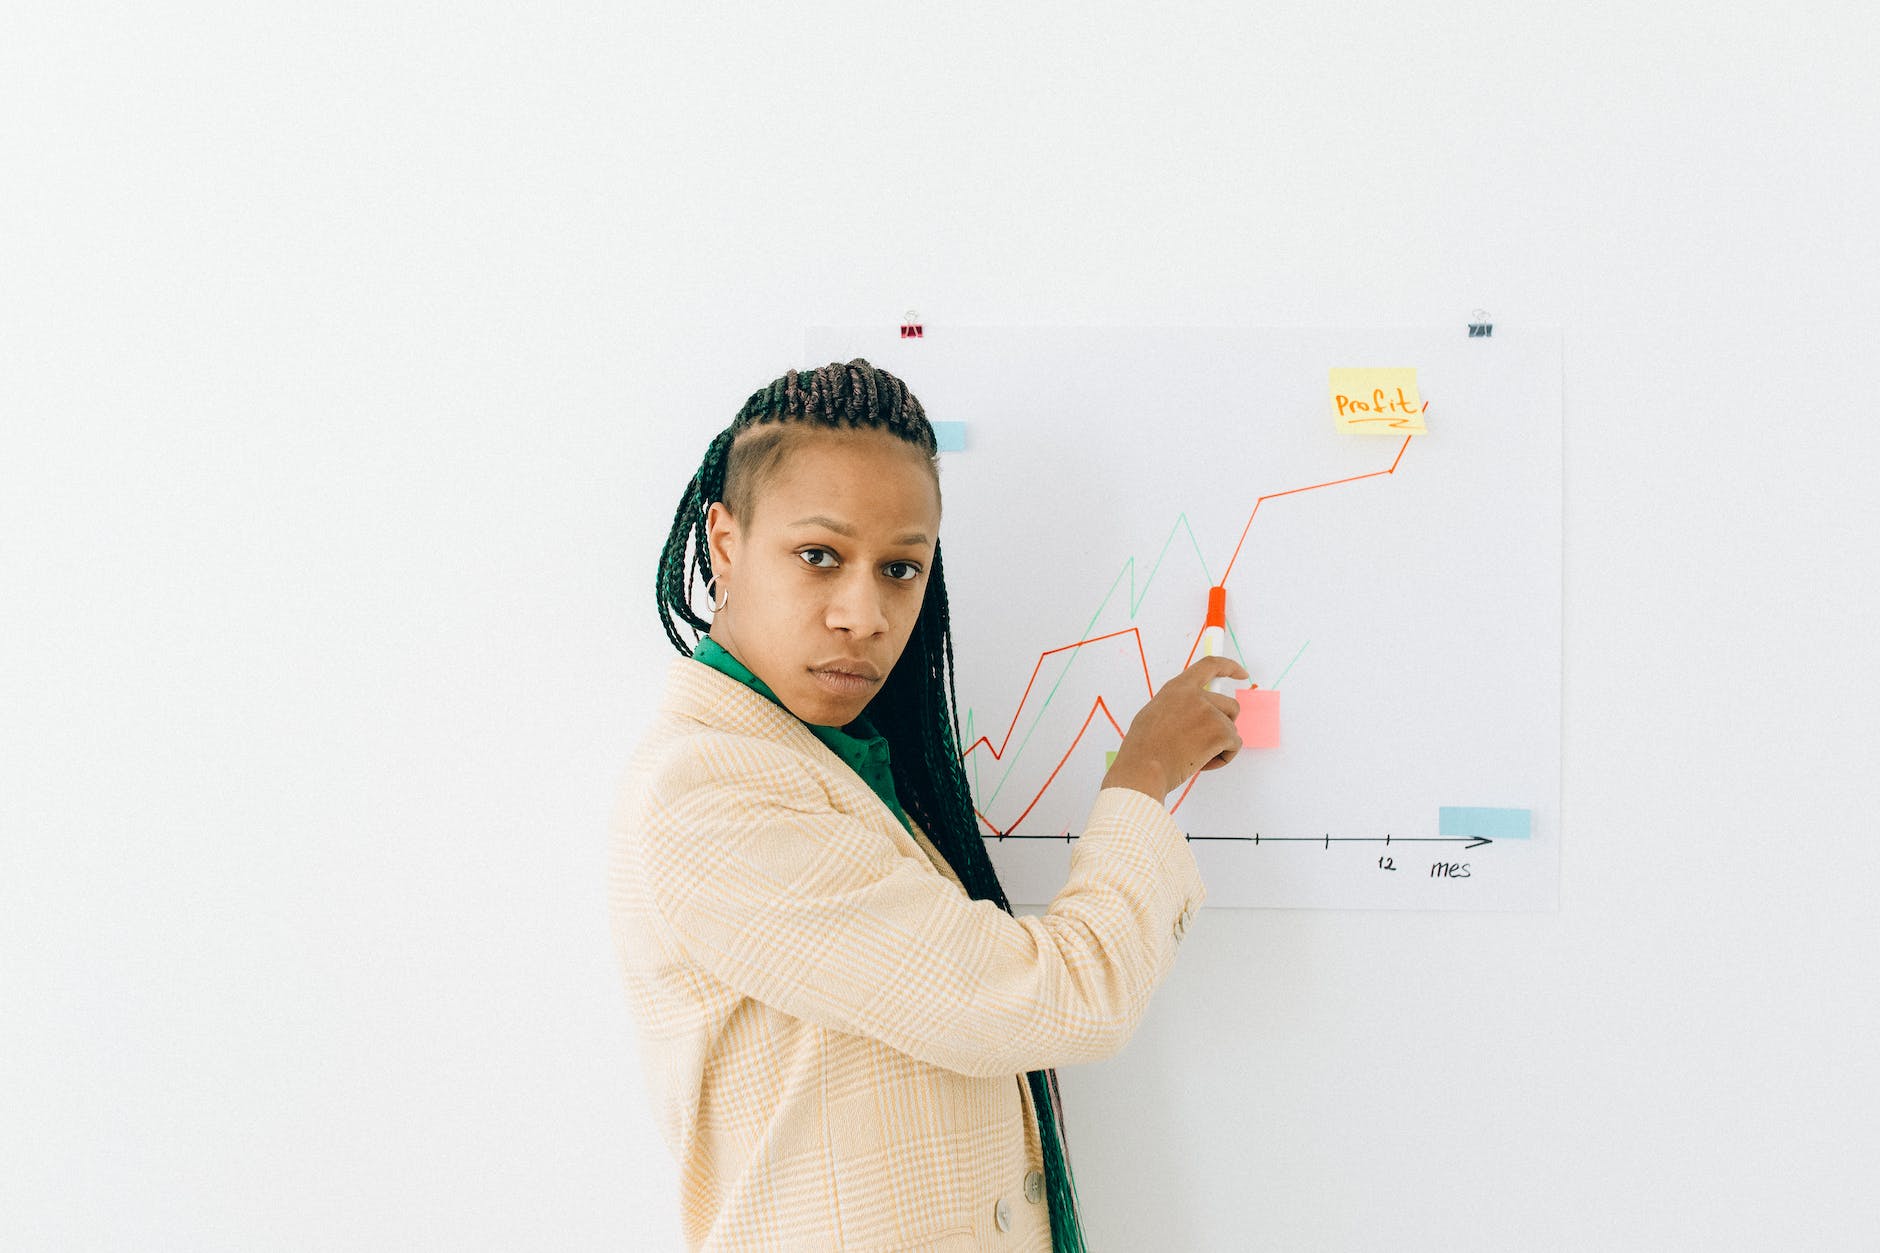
{"x": 1183, "y": 729}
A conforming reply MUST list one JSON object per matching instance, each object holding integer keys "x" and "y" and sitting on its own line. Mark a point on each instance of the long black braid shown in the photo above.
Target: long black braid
{"x": 916, "y": 708}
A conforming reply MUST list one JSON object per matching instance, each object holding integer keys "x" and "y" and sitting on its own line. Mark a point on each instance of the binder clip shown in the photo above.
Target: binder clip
{"x": 1479, "y": 325}
{"x": 910, "y": 326}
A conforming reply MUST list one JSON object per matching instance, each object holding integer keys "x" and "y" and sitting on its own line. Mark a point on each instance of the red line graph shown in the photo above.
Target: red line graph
{"x": 1099, "y": 704}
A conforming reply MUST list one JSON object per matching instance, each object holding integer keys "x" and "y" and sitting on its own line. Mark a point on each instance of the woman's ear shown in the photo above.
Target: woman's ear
{"x": 720, "y": 536}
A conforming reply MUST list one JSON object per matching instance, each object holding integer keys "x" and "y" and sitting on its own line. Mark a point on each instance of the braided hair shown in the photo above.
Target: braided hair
{"x": 916, "y": 708}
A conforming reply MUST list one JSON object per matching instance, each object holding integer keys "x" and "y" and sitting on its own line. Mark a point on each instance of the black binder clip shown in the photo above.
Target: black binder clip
{"x": 910, "y": 326}
{"x": 1479, "y": 325}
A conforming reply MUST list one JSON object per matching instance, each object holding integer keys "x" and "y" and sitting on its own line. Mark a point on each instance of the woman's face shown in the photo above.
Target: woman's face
{"x": 823, "y": 583}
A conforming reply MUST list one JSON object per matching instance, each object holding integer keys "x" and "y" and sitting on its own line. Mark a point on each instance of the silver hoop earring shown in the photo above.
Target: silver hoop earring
{"x": 717, "y": 605}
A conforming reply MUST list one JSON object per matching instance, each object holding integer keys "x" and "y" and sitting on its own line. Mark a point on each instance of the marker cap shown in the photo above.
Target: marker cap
{"x": 1217, "y": 608}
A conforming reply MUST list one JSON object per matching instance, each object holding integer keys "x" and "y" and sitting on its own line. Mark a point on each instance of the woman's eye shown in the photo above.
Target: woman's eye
{"x": 823, "y": 559}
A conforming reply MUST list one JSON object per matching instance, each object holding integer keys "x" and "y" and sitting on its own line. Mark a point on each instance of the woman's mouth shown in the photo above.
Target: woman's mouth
{"x": 845, "y": 682}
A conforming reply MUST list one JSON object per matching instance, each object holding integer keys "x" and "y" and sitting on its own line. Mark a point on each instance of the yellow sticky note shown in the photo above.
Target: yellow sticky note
{"x": 1377, "y": 401}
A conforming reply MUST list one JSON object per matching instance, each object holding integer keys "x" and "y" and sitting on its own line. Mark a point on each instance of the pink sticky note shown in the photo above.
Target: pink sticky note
{"x": 1258, "y": 721}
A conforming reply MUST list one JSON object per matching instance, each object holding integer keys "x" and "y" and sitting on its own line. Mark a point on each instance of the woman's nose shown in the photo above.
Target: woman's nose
{"x": 856, "y": 607}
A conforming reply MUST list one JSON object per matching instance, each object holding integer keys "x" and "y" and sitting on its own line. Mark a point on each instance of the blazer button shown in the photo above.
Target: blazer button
{"x": 1002, "y": 1214}
{"x": 1034, "y": 1186}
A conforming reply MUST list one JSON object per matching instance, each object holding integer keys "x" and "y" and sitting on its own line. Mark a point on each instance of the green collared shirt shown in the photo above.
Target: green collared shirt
{"x": 866, "y": 753}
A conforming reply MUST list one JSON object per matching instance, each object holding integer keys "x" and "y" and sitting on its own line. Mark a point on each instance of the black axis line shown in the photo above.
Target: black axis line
{"x": 1328, "y": 839}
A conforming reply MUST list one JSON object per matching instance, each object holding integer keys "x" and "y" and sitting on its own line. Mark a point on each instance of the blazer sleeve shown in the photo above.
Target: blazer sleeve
{"x": 822, "y": 915}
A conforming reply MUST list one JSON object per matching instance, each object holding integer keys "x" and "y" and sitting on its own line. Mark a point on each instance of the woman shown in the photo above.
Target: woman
{"x": 848, "y": 1036}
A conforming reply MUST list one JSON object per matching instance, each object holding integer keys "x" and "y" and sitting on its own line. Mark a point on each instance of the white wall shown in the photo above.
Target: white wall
{"x": 353, "y": 358}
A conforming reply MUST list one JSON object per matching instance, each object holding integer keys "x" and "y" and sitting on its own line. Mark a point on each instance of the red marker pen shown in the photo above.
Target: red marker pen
{"x": 1214, "y": 639}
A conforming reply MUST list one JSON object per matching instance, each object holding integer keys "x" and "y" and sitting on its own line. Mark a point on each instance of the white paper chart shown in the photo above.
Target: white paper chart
{"x": 1394, "y": 596}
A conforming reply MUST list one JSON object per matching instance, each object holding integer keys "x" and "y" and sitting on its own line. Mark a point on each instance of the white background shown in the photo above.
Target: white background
{"x": 332, "y": 340}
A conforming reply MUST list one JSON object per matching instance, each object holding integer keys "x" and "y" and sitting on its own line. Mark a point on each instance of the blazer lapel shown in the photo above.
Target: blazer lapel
{"x": 700, "y": 692}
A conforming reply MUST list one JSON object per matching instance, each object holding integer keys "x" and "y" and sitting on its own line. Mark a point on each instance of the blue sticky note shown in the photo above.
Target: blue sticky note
{"x": 952, "y": 436}
{"x": 1482, "y": 823}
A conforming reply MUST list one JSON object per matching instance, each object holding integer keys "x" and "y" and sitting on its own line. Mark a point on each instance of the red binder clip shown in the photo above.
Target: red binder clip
{"x": 910, "y": 328}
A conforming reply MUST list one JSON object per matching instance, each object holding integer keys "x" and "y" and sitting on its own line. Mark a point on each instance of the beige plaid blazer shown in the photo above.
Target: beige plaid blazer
{"x": 834, "y": 1035}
